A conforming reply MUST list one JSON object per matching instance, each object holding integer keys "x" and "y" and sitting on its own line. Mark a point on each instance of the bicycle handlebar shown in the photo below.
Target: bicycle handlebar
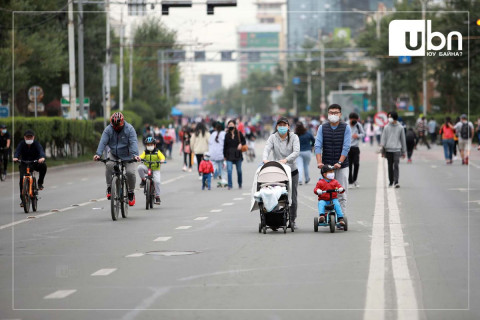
{"x": 116, "y": 161}
{"x": 330, "y": 190}
{"x": 147, "y": 161}
{"x": 26, "y": 161}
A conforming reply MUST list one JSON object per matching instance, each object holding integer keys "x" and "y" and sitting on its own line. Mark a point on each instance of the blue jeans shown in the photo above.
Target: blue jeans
{"x": 238, "y": 164}
{"x": 207, "y": 180}
{"x": 448, "y": 145}
{"x": 218, "y": 165}
{"x": 303, "y": 162}
{"x": 338, "y": 208}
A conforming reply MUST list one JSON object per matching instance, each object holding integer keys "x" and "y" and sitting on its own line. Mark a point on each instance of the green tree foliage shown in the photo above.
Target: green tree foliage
{"x": 150, "y": 37}
{"x": 142, "y": 109}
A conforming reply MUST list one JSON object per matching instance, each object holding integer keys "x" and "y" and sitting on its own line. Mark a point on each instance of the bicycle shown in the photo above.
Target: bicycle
{"x": 149, "y": 188}
{"x": 29, "y": 187}
{"x": 3, "y": 174}
{"x": 119, "y": 188}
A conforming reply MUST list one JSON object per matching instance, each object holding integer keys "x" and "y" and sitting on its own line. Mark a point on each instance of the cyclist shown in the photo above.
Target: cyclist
{"x": 151, "y": 154}
{"x": 30, "y": 150}
{"x": 121, "y": 138}
{"x": 5, "y": 141}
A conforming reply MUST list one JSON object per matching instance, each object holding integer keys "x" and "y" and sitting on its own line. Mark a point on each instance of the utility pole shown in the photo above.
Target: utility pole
{"x": 379, "y": 73}
{"x": 108, "y": 100}
{"x": 309, "y": 78}
{"x": 130, "y": 68}
{"x": 71, "y": 59}
{"x": 81, "y": 81}
{"x": 120, "y": 98}
{"x": 424, "y": 71}
{"x": 323, "y": 104}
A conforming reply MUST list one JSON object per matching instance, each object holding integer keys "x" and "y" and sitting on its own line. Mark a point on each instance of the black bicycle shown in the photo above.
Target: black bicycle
{"x": 119, "y": 188}
{"x": 29, "y": 187}
{"x": 149, "y": 189}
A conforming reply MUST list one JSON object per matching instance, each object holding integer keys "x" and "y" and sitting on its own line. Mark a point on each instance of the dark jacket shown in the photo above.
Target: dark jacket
{"x": 29, "y": 152}
{"x": 230, "y": 151}
{"x": 306, "y": 141}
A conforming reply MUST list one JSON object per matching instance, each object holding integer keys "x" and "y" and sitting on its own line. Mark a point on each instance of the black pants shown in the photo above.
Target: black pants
{"x": 4, "y": 157}
{"x": 410, "y": 147}
{"x": 353, "y": 164}
{"x": 393, "y": 159}
{"x": 187, "y": 157}
{"x": 39, "y": 167}
{"x": 423, "y": 138}
{"x": 199, "y": 159}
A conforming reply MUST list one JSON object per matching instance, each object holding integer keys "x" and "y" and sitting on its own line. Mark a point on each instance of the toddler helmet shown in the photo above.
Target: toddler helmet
{"x": 149, "y": 140}
{"x": 327, "y": 168}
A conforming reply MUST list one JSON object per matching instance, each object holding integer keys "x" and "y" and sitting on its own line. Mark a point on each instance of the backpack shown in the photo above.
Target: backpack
{"x": 464, "y": 132}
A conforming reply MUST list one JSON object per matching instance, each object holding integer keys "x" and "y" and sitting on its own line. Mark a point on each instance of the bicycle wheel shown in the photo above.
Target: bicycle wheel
{"x": 152, "y": 194}
{"x": 25, "y": 195}
{"x": 124, "y": 198}
{"x": 147, "y": 194}
{"x": 115, "y": 198}
{"x": 2, "y": 174}
{"x": 34, "y": 198}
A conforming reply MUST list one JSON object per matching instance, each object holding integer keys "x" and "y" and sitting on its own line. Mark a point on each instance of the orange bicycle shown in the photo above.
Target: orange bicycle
{"x": 29, "y": 187}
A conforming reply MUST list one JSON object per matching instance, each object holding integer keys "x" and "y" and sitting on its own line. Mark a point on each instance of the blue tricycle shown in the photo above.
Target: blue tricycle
{"x": 331, "y": 218}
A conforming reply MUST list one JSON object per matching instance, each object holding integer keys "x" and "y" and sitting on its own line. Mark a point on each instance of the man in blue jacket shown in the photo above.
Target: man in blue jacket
{"x": 121, "y": 138}
{"x": 30, "y": 150}
{"x": 332, "y": 145}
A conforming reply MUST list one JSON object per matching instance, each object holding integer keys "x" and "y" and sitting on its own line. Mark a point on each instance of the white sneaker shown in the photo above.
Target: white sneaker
{"x": 356, "y": 185}
{"x": 199, "y": 177}
{"x": 351, "y": 185}
{"x": 184, "y": 168}
{"x": 189, "y": 169}
{"x": 455, "y": 158}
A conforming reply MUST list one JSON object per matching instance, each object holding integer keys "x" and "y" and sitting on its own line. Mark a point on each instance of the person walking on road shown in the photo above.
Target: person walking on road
{"x": 464, "y": 130}
{"x": 354, "y": 154}
{"x": 421, "y": 130}
{"x": 285, "y": 148}
{"x": 394, "y": 142}
{"x": 411, "y": 140}
{"x": 447, "y": 131}
{"x": 185, "y": 136}
{"x": 199, "y": 143}
{"x": 121, "y": 138}
{"x": 232, "y": 152}
{"x": 432, "y": 130}
{"x": 215, "y": 148}
{"x": 332, "y": 145}
{"x": 307, "y": 141}
{"x": 368, "y": 128}
{"x": 5, "y": 141}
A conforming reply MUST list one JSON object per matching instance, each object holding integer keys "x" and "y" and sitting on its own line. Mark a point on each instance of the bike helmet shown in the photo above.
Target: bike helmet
{"x": 149, "y": 140}
{"x": 327, "y": 168}
{"x": 117, "y": 120}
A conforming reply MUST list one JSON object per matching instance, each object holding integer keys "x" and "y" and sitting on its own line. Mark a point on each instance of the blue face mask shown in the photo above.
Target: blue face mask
{"x": 282, "y": 130}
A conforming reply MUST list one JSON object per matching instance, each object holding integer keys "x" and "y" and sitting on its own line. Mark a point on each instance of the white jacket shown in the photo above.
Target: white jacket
{"x": 199, "y": 144}
{"x": 216, "y": 148}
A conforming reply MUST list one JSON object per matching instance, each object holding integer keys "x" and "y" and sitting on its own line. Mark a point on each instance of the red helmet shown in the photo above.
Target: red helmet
{"x": 117, "y": 120}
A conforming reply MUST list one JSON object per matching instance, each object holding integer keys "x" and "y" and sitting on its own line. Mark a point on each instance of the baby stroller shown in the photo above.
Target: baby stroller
{"x": 275, "y": 179}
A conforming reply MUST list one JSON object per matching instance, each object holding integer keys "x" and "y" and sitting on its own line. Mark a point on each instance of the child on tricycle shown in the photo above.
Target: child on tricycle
{"x": 327, "y": 189}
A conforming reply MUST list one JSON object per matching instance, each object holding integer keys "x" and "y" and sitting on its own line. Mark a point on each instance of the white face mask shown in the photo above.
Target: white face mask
{"x": 330, "y": 175}
{"x": 150, "y": 148}
{"x": 333, "y": 118}
{"x": 28, "y": 141}
{"x": 390, "y": 120}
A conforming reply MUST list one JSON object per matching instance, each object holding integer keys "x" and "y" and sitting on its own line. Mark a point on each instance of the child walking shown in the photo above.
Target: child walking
{"x": 328, "y": 182}
{"x": 206, "y": 170}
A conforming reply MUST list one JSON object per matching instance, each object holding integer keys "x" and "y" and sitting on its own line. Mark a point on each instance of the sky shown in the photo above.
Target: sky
{"x": 198, "y": 31}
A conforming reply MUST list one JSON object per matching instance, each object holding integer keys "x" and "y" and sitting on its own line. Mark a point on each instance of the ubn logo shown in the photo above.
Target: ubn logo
{"x": 406, "y": 38}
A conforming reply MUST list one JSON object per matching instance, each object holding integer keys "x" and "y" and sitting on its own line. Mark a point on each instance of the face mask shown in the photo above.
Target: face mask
{"x": 4, "y": 130}
{"x": 390, "y": 120}
{"x": 206, "y": 158}
{"x": 150, "y": 148}
{"x": 330, "y": 175}
{"x": 333, "y": 118}
{"x": 282, "y": 130}
{"x": 354, "y": 122}
{"x": 29, "y": 141}
{"x": 231, "y": 128}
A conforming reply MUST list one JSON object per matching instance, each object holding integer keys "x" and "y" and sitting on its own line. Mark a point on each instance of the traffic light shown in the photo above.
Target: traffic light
{"x": 167, "y": 4}
{"x": 211, "y": 4}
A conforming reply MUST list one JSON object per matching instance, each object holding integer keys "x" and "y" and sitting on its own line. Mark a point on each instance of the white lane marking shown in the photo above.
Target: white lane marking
{"x": 216, "y": 210}
{"x": 227, "y": 204}
{"x": 237, "y": 199}
{"x": 246, "y": 194}
{"x": 162, "y": 239}
{"x": 69, "y": 183}
{"x": 60, "y": 294}
{"x": 201, "y": 218}
{"x": 434, "y": 166}
{"x": 174, "y": 179}
{"x": 145, "y": 304}
{"x": 473, "y": 164}
{"x": 104, "y": 272}
{"x": 135, "y": 255}
{"x": 405, "y": 292}
{"x": 183, "y": 227}
{"x": 376, "y": 274}
{"x": 84, "y": 179}
{"x": 53, "y": 187}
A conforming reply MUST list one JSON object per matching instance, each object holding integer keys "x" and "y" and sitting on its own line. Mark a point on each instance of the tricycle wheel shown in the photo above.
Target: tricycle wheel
{"x": 332, "y": 223}
{"x": 345, "y": 227}
{"x": 315, "y": 224}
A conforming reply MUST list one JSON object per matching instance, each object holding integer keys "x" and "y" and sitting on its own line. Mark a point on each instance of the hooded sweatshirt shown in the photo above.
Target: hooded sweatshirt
{"x": 393, "y": 138}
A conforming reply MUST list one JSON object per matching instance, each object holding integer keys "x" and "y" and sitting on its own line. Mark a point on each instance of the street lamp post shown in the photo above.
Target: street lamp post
{"x": 321, "y": 47}
{"x": 424, "y": 69}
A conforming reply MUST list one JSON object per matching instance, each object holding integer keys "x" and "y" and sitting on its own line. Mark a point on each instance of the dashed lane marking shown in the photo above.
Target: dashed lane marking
{"x": 135, "y": 255}
{"x": 246, "y": 194}
{"x": 60, "y": 294}
{"x": 183, "y": 227}
{"x": 201, "y": 218}
{"x": 162, "y": 239}
{"x": 227, "y": 204}
{"x": 104, "y": 272}
{"x": 84, "y": 179}
{"x": 174, "y": 179}
{"x": 216, "y": 210}
{"x": 238, "y": 199}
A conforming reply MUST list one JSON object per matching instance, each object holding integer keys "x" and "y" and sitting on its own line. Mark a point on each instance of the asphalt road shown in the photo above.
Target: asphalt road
{"x": 410, "y": 253}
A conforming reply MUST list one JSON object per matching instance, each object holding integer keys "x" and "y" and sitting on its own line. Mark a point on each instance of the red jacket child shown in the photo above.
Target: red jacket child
{"x": 206, "y": 167}
{"x": 324, "y": 184}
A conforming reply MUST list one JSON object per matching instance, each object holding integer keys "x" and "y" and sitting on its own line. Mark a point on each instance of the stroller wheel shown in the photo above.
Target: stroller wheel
{"x": 260, "y": 227}
{"x": 285, "y": 229}
{"x": 264, "y": 230}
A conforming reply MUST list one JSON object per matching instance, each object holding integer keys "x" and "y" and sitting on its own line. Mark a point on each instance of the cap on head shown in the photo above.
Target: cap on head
{"x": 463, "y": 116}
{"x": 206, "y": 154}
{"x": 327, "y": 168}
{"x": 29, "y": 132}
{"x": 284, "y": 120}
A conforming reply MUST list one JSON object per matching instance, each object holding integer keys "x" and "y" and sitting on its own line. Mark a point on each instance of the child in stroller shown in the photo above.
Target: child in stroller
{"x": 328, "y": 183}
